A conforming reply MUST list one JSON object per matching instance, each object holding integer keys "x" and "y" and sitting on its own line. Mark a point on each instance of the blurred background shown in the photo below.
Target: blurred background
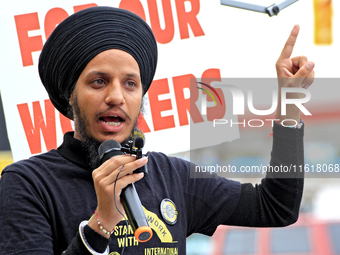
{"x": 318, "y": 228}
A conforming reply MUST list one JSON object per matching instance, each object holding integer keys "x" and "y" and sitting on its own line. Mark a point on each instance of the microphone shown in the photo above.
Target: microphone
{"x": 129, "y": 197}
{"x": 139, "y": 143}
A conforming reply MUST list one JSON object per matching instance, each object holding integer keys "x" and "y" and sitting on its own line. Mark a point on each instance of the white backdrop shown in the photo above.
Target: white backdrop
{"x": 238, "y": 43}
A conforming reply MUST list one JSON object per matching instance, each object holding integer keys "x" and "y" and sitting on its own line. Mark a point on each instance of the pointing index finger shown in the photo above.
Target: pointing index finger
{"x": 289, "y": 46}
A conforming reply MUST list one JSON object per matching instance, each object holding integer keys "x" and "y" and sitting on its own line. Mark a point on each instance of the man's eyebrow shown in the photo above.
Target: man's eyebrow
{"x": 95, "y": 73}
{"x": 133, "y": 75}
{"x": 99, "y": 73}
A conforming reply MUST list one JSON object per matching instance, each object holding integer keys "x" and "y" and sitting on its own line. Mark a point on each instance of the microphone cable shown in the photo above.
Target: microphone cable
{"x": 126, "y": 221}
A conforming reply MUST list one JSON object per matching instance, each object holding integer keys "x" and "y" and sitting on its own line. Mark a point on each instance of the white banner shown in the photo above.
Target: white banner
{"x": 197, "y": 39}
{"x": 187, "y": 34}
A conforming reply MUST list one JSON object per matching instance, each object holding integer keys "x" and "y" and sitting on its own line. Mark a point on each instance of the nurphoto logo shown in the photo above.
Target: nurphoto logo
{"x": 239, "y": 97}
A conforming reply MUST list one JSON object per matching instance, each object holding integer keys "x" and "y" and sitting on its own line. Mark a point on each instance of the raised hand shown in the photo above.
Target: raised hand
{"x": 293, "y": 72}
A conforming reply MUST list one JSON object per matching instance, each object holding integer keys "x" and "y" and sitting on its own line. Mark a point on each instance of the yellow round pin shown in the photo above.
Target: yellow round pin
{"x": 169, "y": 211}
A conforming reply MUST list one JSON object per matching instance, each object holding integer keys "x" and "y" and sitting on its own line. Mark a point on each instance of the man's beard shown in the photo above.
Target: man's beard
{"x": 89, "y": 143}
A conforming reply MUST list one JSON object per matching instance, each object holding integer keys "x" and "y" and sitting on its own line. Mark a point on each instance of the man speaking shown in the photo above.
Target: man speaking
{"x": 96, "y": 66}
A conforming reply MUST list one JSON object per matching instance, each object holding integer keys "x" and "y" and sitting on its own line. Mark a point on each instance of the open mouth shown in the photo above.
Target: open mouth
{"x": 113, "y": 121}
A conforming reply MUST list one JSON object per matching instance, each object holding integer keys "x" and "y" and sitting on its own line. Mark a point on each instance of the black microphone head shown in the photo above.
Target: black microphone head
{"x": 109, "y": 149}
{"x": 139, "y": 142}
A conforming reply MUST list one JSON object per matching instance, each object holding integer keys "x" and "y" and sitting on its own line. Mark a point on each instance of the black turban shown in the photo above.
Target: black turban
{"x": 85, "y": 34}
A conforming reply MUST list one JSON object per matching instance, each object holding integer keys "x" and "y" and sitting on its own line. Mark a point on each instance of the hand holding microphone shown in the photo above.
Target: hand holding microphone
{"x": 105, "y": 181}
{"x": 129, "y": 197}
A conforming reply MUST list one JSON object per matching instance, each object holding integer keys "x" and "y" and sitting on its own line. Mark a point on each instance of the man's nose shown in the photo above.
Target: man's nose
{"x": 115, "y": 94}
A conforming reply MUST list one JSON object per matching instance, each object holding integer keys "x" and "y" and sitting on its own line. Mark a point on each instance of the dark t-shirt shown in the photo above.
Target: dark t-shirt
{"x": 44, "y": 199}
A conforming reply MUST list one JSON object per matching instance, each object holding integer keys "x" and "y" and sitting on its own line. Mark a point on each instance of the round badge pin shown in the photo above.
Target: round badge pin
{"x": 169, "y": 211}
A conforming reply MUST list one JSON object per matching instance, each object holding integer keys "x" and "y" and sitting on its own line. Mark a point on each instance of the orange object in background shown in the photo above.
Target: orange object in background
{"x": 323, "y": 22}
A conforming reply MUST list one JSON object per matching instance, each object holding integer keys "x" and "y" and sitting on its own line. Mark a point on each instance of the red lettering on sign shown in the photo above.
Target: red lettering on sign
{"x": 30, "y": 21}
{"x": 186, "y": 19}
{"x": 25, "y": 23}
{"x": 142, "y": 125}
{"x": 183, "y": 104}
{"x": 36, "y": 124}
{"x": 162, "y": 35}
{"x": 157, "y": 88}
{"x": 53, "y": 18}
{"x": 57, "y": 15}
{"x": 48, "y": 128}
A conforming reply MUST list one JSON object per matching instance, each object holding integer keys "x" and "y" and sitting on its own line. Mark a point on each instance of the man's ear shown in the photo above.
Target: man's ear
{"x": 71, "y": 100}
